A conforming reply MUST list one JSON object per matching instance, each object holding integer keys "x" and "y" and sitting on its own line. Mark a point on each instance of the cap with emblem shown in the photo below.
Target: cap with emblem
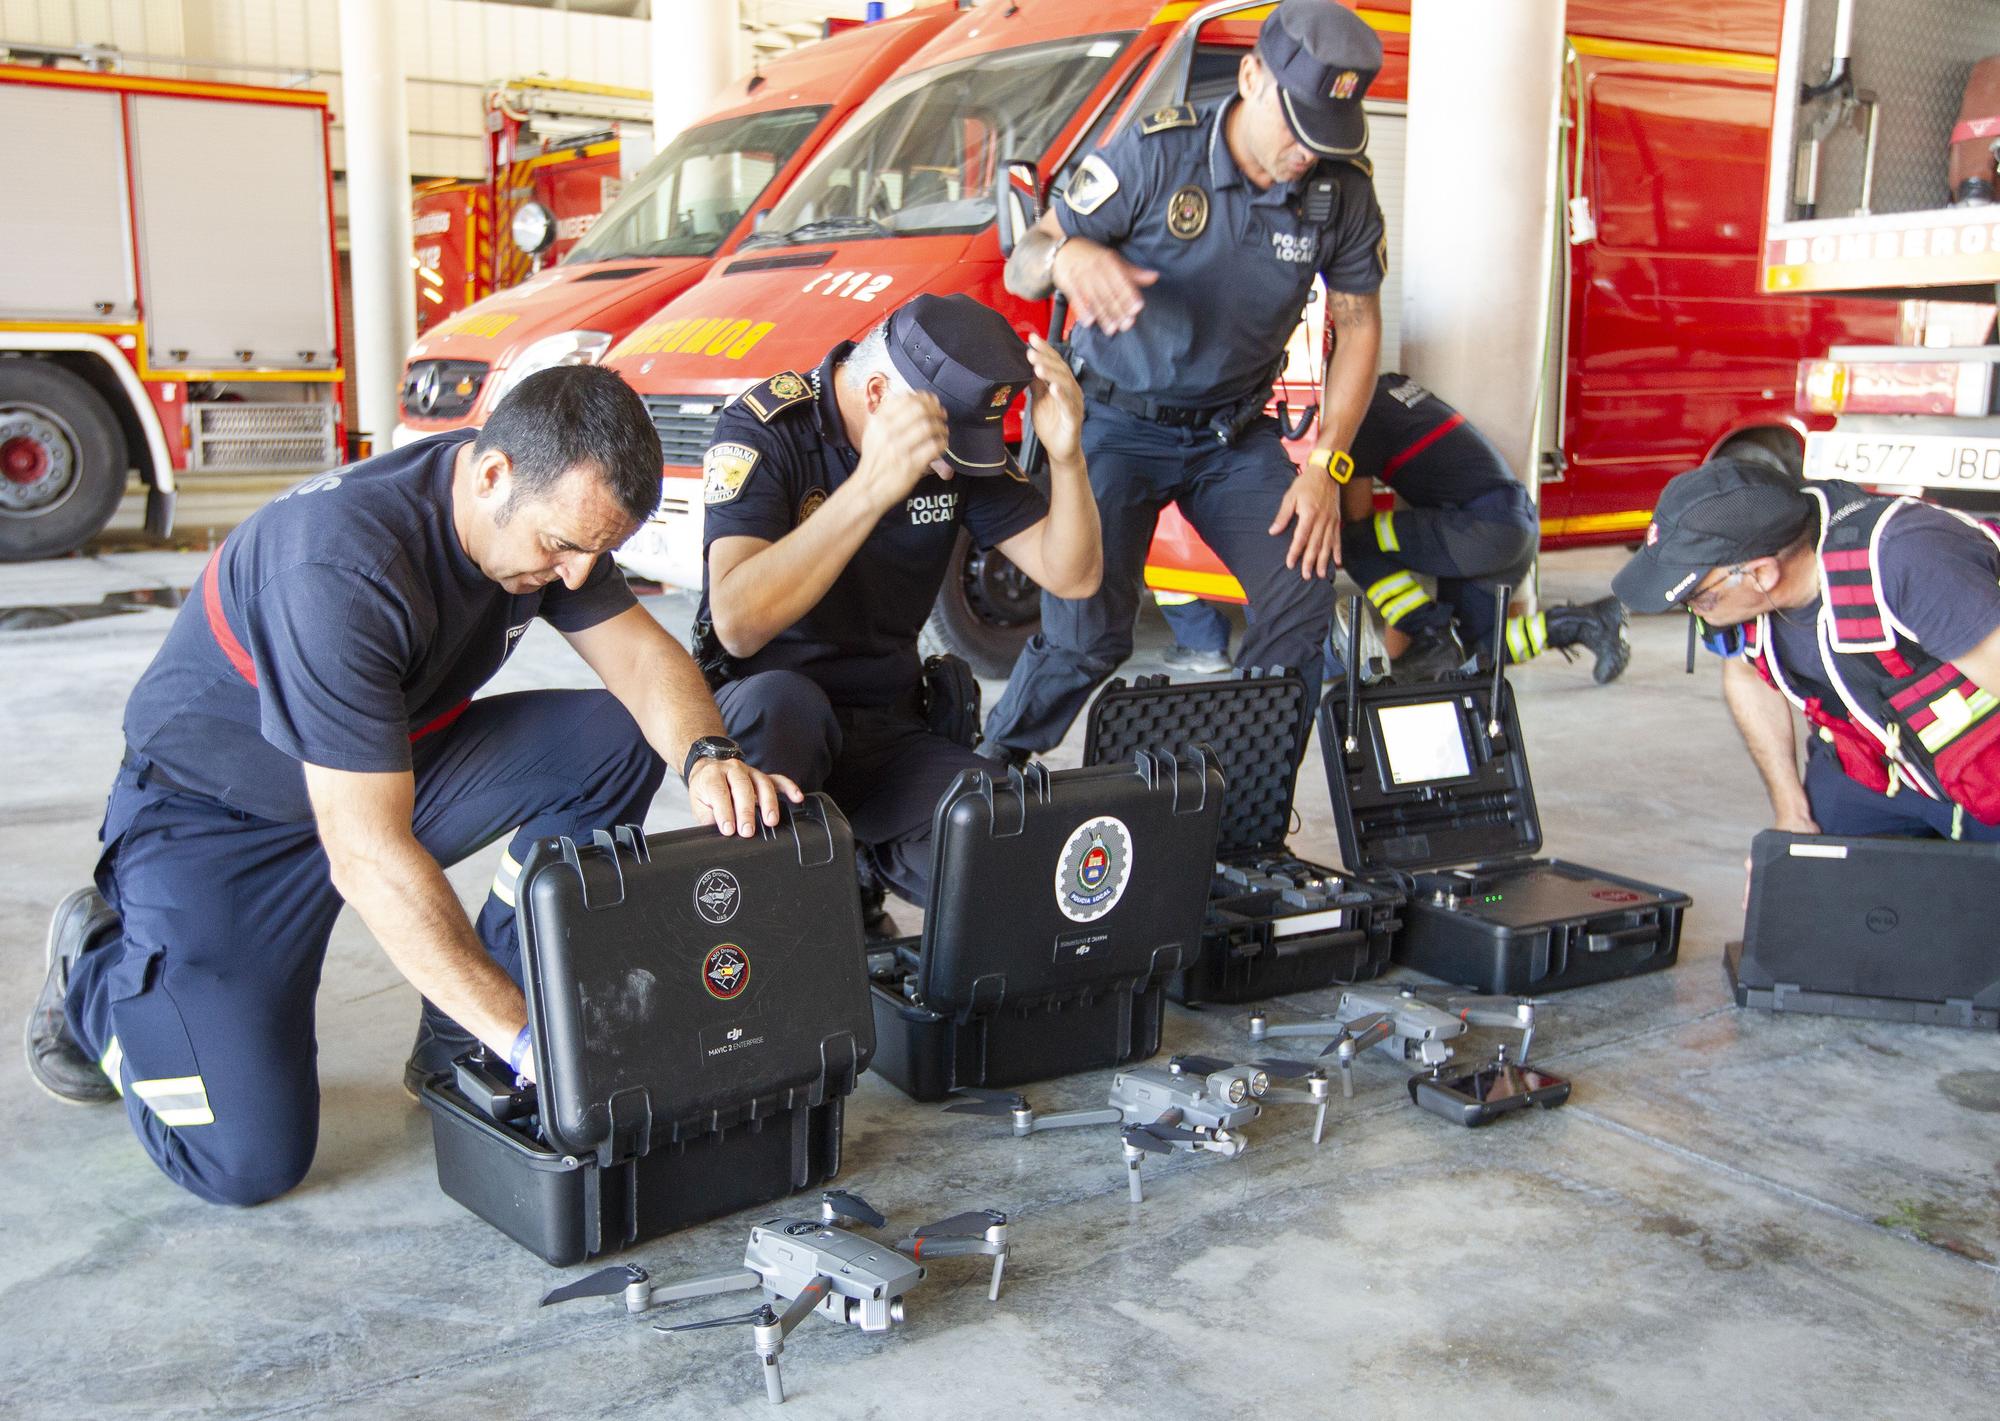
{"x": 970, "y": 358}
{"x": 1323, "y": 56}
{"x": 1726, "y": 511}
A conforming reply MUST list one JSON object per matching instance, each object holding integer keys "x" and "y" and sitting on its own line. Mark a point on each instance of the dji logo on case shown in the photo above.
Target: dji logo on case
{"x": 735, "y": 1034}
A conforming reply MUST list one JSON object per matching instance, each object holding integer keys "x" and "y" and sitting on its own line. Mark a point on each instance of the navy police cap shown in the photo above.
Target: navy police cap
{"x": 1323, "y": 56}
{"x": 970, "y": 358}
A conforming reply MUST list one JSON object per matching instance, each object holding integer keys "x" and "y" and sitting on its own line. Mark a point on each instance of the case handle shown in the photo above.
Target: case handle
{"x": 1645, "y": 934}
{"x": 811, "y": 812}
{"x": 601, "y": 841}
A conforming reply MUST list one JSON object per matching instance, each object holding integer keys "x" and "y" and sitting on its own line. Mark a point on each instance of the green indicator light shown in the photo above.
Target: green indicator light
{"x": 1493, "y": 897}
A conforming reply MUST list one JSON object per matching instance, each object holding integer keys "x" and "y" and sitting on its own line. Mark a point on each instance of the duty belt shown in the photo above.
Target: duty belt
{"x": 150, "y": 773}
{"x": 1098, "y": 388}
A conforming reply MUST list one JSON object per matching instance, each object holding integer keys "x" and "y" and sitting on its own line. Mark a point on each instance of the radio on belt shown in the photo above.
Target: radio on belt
{"x": 1061, "y": 902}
{"x": 699, "y": 1008}
{"x": 1276, "y": 923}
{"x": 1430, "y": 786}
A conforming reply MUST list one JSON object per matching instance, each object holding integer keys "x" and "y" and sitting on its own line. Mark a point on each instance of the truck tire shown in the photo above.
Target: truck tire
{"x": 62, "y": 461}
{"x": 985, "y": 612}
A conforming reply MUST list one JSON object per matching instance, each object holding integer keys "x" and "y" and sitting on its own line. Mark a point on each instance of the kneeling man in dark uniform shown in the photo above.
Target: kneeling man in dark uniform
{"x": 833, "y": 503}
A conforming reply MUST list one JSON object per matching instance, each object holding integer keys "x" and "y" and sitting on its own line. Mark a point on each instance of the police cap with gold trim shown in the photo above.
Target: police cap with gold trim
{"x": 968, "y": 356}
{"x": 1323, "y": 56}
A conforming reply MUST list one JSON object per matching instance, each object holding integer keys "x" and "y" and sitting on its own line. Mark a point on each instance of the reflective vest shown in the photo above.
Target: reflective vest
{"x": 1903, "y": 716}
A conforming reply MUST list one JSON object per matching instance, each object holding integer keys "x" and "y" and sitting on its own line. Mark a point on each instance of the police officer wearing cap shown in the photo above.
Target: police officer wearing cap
{"x": 833, "y": 502}
{"x": 1187, "y": 248}
{"x": 1876, "y": 618}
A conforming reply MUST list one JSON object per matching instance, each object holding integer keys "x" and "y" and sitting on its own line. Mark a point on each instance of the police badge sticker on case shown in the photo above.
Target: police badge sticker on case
{"x": 1187, "y": 213}
{"x": 724, "y": 468}
{"x": 1093, "y": 868}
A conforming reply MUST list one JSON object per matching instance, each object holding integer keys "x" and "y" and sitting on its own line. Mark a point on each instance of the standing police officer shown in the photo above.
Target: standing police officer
{"x": 833, "y": 504}
{"x": 1187, "y": 248}
{"x": 1470, "y": 525}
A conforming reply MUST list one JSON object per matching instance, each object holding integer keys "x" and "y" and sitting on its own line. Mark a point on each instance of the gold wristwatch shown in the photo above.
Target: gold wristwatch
{"x": 1336, "y": 464}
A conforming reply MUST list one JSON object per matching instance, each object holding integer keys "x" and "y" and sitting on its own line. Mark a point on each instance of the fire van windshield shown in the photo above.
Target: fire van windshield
{"x": 920, "y": 156}
{"x": 690, "y": 197}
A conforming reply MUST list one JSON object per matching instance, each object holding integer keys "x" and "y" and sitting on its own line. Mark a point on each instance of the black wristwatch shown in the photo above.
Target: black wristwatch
{"x": 709, "y": 747}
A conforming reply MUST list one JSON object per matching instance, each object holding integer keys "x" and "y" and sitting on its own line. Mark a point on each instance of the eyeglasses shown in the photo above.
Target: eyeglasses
{"x": 1704, "y": 598}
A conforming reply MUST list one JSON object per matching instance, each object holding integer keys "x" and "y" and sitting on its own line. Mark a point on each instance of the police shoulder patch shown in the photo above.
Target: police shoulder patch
{"x": 776, "y": 395}
{"x": 1092, "y": 183}
{"x": 1173, "y": 116}
{"x": 724, "y": 468}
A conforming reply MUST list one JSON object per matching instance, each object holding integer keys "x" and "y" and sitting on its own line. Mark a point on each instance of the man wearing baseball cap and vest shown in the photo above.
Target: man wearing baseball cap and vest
{"x": 1876, "y": 618}
{"x": 1187, "y": 247}
{"x": 833, "y": 503}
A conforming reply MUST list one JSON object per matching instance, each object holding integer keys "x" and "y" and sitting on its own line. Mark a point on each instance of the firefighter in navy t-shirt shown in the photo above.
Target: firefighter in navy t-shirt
{"x": 833, "y": 502}
{"x": 1464, "y": 520}
{"x": 1876, "y": 618}
{"x": 306, "y": 736}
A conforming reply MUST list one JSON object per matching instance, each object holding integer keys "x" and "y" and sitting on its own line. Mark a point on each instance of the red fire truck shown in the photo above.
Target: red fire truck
{"x": 1882, "y": 182}
{"x": 694, "y": 203}
{"x": 1666, "y": 352}
{"x": 157, "y": 314}
{"x": 557, "y": 154}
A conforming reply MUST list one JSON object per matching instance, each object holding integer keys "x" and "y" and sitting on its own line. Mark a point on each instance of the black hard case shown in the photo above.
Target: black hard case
{"x": 1003, "y": 988}
{"x": 1255, "y": 945}
{"x": 1483, "y": 910}
{"x": 661, "y": 1104}
{"x": 1884, "y": 929}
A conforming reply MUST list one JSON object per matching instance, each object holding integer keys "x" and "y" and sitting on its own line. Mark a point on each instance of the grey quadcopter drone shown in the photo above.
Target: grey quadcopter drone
{"x": 808, "y": 1265}
{"x": 1412, "y": 1026}
{"x": 1191, "y": 1103}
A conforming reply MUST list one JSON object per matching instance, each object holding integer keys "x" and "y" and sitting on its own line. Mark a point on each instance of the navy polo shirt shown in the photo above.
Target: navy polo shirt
{"x": 779, "y": 451}
{"x": 353, "y": 621}
{"x": 1429, "y": 453}
{"x": 1230, "y": 294}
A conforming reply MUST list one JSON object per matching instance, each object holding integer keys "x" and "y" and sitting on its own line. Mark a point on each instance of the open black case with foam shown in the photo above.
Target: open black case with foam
{"x": 1435, "y": 794}
{"x": 1276, "y": 923}
{"x": 699, "y": 1009}
{"x": 1061, "y": 901}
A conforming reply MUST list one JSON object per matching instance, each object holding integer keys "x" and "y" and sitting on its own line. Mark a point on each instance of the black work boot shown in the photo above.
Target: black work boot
{"x": 1598, "y": 626}
{"x": 1432, "y": 652}
{"x": 56, "y": 1059}
{"x": 440, "y": 1041}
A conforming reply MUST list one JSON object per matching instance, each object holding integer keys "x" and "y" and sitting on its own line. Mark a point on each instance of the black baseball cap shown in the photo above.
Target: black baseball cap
{"x": 970, "y": 358}
{"x": 1726, "y": 511}
{"x": 1323, "y": 56}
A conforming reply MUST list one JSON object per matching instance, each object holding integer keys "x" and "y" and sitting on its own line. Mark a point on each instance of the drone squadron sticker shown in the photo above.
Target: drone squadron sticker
{"x": 1093, "y": 869}
{"x": 726, "y": 971}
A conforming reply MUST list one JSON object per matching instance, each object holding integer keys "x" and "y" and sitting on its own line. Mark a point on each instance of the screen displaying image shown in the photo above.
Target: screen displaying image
{"x": 1423, "y": 743}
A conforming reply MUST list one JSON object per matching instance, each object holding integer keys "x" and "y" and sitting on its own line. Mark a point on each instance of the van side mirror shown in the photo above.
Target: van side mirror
{"x": 1017, "y": 202}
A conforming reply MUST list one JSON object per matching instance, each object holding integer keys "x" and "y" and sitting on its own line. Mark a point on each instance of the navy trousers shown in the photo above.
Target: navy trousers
{"x": 1842, "y": 806}
{"x": 881, "y": 764}
{"x": 1469, "y": 551}
{"x": 1230, "y": 493}
{"x": 202, "y": 1010}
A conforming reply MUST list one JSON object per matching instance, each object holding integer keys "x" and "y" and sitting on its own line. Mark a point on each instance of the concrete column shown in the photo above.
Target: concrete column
{"x": 1479, "y": 209}
{"x": 698, "y": 48}
{"x": 375, "y": 115}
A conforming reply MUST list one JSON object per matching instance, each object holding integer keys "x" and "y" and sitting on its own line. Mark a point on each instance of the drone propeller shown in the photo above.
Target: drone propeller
{"x": 761, "y": 1317}
{"x": 1200, "y": 1065}
{"x": 987, "y": 1102}
{"x": 1285, "y": 1069}
{"x": 1141, "y": 1138}
{"x": 853, "y": 1206}
{"x": 604, "y": 1283}
{"x": 973, "y": 1223}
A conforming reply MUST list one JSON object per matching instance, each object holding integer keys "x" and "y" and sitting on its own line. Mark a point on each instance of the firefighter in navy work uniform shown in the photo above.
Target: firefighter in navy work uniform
{"x": 305, "y": 736}
{"x": 1470, "y": 525}
{"x": 833, "y": 502}
{"x": 1876, "y": 618}
{"x": 1187, "y": 248}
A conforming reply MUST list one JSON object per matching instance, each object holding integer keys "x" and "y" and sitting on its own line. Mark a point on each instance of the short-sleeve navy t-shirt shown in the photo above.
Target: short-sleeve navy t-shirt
{"x": 1231, "y": 293}
{"x": 773, "y": 461}
{"x": 1940, "y": 579}
{"x": 354, "y": 620}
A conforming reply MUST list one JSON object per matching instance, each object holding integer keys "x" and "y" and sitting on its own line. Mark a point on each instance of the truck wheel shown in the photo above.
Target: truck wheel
{"x": 986, "y": 610}
{"x": 1775, "y": 448}
{"x": 62, "y": 461}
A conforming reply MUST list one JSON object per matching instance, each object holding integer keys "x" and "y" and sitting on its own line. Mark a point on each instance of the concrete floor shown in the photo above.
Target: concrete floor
{"x": 1735, "y": 1215}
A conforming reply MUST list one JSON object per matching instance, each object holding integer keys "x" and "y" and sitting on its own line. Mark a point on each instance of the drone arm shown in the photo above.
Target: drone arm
{"x": 1065, "y": 1118}
{"x": 809, "y": 1298}
{"x": 736, "y": 1280}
